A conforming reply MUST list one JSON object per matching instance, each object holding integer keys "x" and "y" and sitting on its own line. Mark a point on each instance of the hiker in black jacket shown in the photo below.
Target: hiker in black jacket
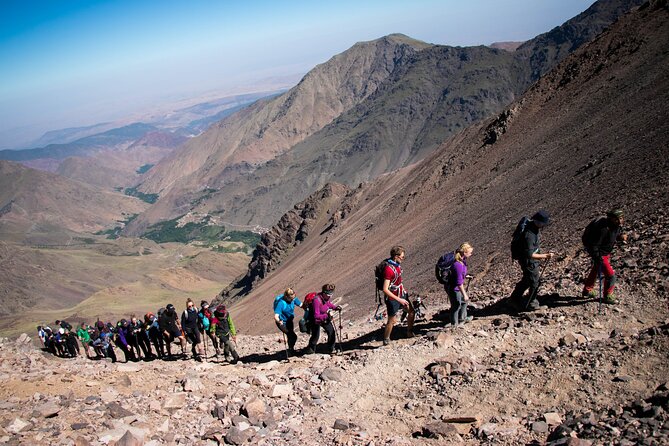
{"x": 171, "y": 329}
{"x": 599, "y": 239}
{"x": 528, "y": 259}
{"x": 189, "y": 322}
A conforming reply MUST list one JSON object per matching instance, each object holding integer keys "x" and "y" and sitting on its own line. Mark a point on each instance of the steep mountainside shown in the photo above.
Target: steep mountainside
{"x": 590, "y": 135}
{"x": 270, "y": 127}
{"x": 434, "y": 94}
{"x": 30, "y": 198}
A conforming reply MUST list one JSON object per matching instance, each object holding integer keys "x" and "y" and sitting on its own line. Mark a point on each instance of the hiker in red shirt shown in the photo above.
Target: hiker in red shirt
{"x": 394, "y": 294}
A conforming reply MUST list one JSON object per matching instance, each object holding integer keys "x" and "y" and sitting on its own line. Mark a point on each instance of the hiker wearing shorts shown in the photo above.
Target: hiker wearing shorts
{"x": 599, "y": 239}
{"x": 321, "y": 317}
{"x": 284, "y": 314}
{"x": 394, "y": 294}
{"x": 457, "y": 292}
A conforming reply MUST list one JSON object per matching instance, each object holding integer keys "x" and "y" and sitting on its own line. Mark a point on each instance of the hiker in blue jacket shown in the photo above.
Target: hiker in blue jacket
{"x": 284, "y": 314}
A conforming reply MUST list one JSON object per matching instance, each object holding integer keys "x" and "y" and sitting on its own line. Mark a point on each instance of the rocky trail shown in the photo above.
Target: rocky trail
{"x": 569, "y": 373}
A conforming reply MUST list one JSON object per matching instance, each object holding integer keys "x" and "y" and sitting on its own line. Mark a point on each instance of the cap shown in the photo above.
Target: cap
{"x": 542, "y": 217}
{"x": 170, "y": 307}
{"x": 616, "y": 212}
{"x": 204, "y": 303}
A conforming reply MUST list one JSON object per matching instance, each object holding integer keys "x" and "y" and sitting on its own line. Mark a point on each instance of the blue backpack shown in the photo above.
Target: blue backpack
{"x": 443, "y": 268}
{"x": 204, "y": 321}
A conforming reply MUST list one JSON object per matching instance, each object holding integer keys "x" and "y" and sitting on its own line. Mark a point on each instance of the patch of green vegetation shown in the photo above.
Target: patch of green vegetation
{"x": 143, "y": 169}
{"x": 133, "y": 192}
{"x": 208, "y": 234}
{"x": 115, "y": 232}
{"x": 229, "y": 249}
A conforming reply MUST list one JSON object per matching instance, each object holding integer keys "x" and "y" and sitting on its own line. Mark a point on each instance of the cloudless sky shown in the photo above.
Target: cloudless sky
{"x": 72, "y": 63}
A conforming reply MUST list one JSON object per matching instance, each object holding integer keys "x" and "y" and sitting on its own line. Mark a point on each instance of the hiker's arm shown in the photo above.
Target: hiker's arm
{"x": 547, "y": 256}
{"x": 277, "y": 319}
{"x": 387, "y": 292}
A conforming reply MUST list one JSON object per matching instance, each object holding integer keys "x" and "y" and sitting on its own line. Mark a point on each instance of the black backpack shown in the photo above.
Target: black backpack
{"x": 517, "y": 242}
{"x": 591, "y": 234}
{"x": 379, "y": 273}
{"x": 443, "y": 268}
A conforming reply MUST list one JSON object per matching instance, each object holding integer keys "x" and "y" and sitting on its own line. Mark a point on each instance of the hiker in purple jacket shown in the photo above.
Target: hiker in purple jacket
{"x": 457, "y": 292}
{"x": 322, "y": 306}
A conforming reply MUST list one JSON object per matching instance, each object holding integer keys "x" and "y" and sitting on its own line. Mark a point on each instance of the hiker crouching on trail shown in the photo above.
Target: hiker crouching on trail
{"x": 599, "y": 239}
{"x": 171, "y": 330}
{"x": 189, "y": 323}
{"x": 528, "y": 259}
{"x": 320, "y": 318}
{"x": 394, "y": 294}
{"x": 284, "y": 314}
{"x": 226, "y": 332}
{"x": 457, "y": 292}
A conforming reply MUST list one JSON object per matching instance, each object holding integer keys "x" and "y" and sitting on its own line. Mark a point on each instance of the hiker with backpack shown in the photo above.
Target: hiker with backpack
{"x": 284, "y": 314}
{"x": 122, "y": 335}
{"x": 206, "y": 325}
{"x": 320, "y": 317}
{"x": 389, "y": 280}
{"x": 525, "y": 248}
{"x": 457, "y": 292}
{"x": 599, "y": 240}
{"x": 102, "y": 341}
{"x": 189, "y": 323}
{"x": 226, "y": 332}
{"x": 141, "y": 338}
{"x": 171, "y": 329}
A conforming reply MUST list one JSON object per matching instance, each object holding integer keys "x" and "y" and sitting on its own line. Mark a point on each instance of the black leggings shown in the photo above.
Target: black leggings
{"x": 288, "y": 328}
{"x": 316, "y": 333}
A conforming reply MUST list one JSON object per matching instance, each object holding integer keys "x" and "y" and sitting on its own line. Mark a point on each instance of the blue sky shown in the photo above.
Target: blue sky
{"x": 72, "y": 63}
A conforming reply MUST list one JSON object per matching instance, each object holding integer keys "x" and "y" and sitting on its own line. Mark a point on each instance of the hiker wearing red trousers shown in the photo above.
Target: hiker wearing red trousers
{"x": 599, "y": 239}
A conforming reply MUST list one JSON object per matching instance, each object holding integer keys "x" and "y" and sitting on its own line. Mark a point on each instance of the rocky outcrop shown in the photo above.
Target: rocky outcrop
{"x": 291, "y": 230}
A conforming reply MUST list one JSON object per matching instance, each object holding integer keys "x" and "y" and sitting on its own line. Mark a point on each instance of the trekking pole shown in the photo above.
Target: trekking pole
{"x": 536, "y": 290}
{"x": 341, "y": 350}
{"x": 599, "y": 274}
{"x": 285, "y": 345}
{"x": 204, "y": 339}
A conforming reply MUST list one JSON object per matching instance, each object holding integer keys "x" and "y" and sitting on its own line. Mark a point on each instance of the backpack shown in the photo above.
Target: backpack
{"x": 204, "y": 321}
{"x": 277, "y": 299}
{"x": 443, "y": 268}
{"x": 379, "y": 273}
{"x": 66, "y": 325}
{"x": 305, "y": 323}
{"x": 591, "y": 234}
{"x": 517, "y": 245}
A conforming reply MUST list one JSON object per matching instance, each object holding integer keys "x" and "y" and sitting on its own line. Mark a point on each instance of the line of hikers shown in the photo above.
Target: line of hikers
{"x": 135, "y": 337}
{"x": 599, "y": 240}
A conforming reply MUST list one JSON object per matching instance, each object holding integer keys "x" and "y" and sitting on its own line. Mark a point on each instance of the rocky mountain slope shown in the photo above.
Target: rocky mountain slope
{"x": 589, "y": 135}
{"x": 431, "y": 95}
{"x": 269, "y": 128}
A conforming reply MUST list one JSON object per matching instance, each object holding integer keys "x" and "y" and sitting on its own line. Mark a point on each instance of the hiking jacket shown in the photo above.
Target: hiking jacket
{"x": 457, "y": 276}
{"x": 121, "y": 336}
{"x": 189, "y": 320}
{"x": 168, "y": 322}
{"x": 83, "y": 334}
{"x": 224, "y": 326}
{"x": 600, "y": 236}
{"x": 531, "y": 243}
{"x": 321, "y": 307}
{"x": 284, "y": 309}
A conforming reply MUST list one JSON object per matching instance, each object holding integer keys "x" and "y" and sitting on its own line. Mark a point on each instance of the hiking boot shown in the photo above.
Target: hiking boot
{"x": 588, "y": 294}
{"x": 386, "y": 341}
{"x": 410, "y": 334}
{"x": 467, "y": 319}
{"x": 309, "y": 351}
{"x": 533, "y": 305}
{"x": 610, "y": 299}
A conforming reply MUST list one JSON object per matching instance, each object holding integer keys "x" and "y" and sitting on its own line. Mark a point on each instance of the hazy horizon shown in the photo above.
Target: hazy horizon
{"x": 89, "y": 62}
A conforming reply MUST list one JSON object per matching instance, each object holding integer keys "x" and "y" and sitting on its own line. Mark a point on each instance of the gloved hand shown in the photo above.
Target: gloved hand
{"x": 338, "y": 308}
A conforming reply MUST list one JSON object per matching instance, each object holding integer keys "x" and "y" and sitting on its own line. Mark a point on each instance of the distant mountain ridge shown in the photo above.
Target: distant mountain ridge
{"x": 427, "y": 96}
